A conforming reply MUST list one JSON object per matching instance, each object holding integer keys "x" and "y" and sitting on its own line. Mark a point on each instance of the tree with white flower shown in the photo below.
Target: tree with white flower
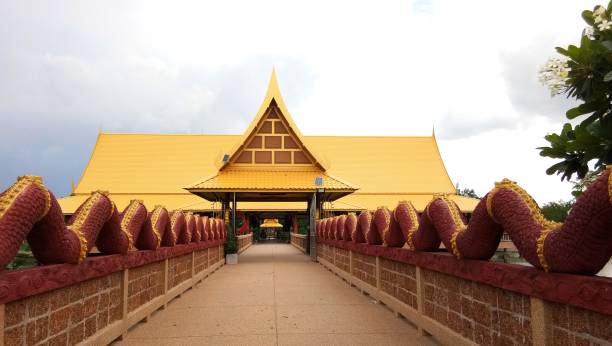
{"x": 584, "y": 73}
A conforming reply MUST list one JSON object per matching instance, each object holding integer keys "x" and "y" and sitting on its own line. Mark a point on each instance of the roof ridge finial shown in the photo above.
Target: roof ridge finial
{"x": 273, "y": 84}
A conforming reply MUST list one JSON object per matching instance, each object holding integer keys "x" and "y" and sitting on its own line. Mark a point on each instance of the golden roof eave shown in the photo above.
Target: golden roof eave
{"x": 270, "y": 184}
{"x": 270, "y": 180}
{"x": 271, "y": 223}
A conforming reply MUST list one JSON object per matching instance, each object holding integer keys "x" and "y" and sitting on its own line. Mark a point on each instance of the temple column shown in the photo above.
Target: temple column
{"x": 225, "y": 209}
{"x": 234, "y": 211}
{"x": 314, "y": 213}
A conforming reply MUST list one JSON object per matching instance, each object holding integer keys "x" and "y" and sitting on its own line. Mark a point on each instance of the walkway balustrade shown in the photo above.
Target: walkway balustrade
{"x": 97, "y": 301}
{"x": 300, "y": 241}
{"x": 244, "y": 241}
{"x": 461, "y": 302}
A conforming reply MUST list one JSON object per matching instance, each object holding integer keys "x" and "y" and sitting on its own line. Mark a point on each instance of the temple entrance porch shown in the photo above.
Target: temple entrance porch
{"x": 313, "y": 200}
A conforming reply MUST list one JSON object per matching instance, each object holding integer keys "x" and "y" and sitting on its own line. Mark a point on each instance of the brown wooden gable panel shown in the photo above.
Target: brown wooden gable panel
{"x": 300, "y": 157}
{"x": 273, "y": 142}
{"x": 290, "y": 143}
{"x": 276, "y": 142}
{"x": 263, "y": 157}
{"x": 282, "y": 157}
{"x": 266, "y": 127}
{"x": 279, "y": 127}
{"x": 245, "y": 157}
{"x": 256, "y": 143}
{"x": 273, "y": 111}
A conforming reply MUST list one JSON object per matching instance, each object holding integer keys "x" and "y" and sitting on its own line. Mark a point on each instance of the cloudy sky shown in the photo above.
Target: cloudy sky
{"x": 69, "y": 69}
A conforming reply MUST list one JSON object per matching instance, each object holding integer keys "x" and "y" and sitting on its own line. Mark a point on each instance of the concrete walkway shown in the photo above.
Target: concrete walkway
{"x": 274, "y": 296}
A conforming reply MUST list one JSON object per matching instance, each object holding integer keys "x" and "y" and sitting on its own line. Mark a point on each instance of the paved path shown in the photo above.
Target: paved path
{"x": 274, "y": 296}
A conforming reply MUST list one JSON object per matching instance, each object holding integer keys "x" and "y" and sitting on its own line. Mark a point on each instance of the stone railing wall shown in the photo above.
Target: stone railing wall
{"x": 244, "y": 241}
{"x": 300, "y": 241}
{"x": 466, "y": 302}
{"x": 95, "y": 302}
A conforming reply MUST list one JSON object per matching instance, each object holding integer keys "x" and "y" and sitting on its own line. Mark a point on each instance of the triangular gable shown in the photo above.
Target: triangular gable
{"x": 272, "y": 138}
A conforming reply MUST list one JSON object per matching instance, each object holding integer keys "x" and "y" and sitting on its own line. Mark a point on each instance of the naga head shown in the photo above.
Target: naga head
{"x": 37, "y": 179}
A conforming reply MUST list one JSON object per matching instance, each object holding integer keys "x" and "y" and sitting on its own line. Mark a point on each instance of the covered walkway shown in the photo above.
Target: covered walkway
{"x": 275, "y": 296}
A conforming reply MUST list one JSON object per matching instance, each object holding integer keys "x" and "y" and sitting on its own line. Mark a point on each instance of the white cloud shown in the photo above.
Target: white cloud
{"x": 479, "y": 161}
{"x": 345, "y": 67}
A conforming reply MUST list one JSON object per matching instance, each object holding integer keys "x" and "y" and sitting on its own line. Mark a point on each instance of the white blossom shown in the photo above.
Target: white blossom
{"x": 589, "y": 32}
{"x": 599, "y": 14}
{"x": 554, "y": 75}
{"x": 604, "y": 25}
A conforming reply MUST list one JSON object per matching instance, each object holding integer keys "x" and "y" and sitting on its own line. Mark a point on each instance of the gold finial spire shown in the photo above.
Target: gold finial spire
{"x": 273, "y": 88}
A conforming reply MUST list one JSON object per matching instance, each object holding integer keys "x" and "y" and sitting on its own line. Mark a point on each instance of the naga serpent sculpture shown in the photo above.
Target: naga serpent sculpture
{"x": 199, "y": 229}
{"x": 153, "y": 229}
{"x": 28, "y": 210}
{"x": 206, "y": 235}
{"x": 580, "y": 245}
{"x": 186, "y": 236}
{"x": 221, "y": 229}
{"x": 245, "y": 228}
{"x": 340, "y": 227}
{"x": 214, "y": 234}
{"x": 119, "y": 233}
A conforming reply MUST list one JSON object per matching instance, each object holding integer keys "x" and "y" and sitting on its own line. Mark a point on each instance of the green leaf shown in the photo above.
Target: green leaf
{"x": 584, "y": 108}
{"x": 607, "y": 44}
{"x": 588, "y": 17}
{"x": 608, "y": 76}
{"x": 590, "y": 119}
{"x": 562, "y": 51}
{"x": 572, "y": 52}
{"x": 556, "y": 167}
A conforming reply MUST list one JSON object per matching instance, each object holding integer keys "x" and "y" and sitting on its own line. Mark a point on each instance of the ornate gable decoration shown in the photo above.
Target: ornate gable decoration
{"x": 273, "y": 142}
{"x": 272, "y": 138}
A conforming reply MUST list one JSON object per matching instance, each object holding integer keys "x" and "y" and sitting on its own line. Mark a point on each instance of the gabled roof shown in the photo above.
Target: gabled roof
{"x": 155, "y": 168}
{"x": 273, "y": 97}
{"x": 164, "y": 163}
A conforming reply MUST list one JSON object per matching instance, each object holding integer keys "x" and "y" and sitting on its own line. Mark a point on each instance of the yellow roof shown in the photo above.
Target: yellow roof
{"x": 184, "y": 201}
{"x": 358, "y": 201}
{"x": 245, "y": 179}
{"x": 401, "y": 165}
{"x": 170, "y": 201}
{"x": 153, "y": 163}
{"x": 157, "y": 167}
{"x": 150, "y": 163}
{"x": 271, "y": 223}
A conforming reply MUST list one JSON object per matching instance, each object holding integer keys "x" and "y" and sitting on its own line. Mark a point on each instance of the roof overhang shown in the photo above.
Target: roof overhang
{"x": 271, "y": 185}
{"x": 268, "y": 195}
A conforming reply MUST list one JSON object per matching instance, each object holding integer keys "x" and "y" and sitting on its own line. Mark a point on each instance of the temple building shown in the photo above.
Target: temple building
{"x": 271, "y": 169}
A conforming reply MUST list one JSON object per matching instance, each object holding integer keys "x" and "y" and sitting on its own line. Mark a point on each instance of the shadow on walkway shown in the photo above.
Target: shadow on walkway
{"x": 274, "y": 296}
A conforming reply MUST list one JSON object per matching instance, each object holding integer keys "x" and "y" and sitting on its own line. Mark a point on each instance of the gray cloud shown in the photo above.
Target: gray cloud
{"x": 456, "y": 126}
{"x": 528, "y": 96}
{"x": 64, "y": 76}
{"x": 55, "y": 140}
